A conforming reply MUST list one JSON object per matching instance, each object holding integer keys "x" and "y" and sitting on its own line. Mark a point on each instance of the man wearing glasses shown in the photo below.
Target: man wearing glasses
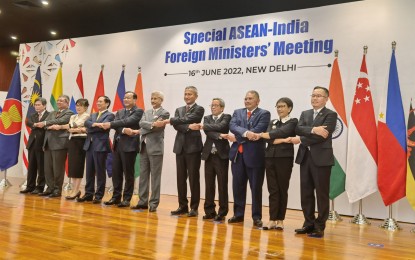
{"x": 315, "y": 156}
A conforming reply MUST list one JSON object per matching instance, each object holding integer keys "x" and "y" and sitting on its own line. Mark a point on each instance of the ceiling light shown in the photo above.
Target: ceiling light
{"x": 13, "y": 37}
{"x": 45, "y": 3}
{"x": 53, "y": 33}
{"x": 14, "y": 53}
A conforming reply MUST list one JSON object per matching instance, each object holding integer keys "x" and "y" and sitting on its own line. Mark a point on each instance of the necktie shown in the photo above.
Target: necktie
{"x": 249, "y": 114}
{"x": 215, "y": 118}
{"x": 40, "y": 116}
{"x": 187, "y": 108}
{"x": 240, "y": 147}
{"x": 315, "y": 114}
{"x": 58, "y": 113}
{"x": 99, "y": 115}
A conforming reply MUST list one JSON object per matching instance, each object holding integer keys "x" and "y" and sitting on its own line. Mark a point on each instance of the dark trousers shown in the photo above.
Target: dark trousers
{"x": 216, "y": 167}
{"x": 188, "y": 166}
{"x": 278, "y": 171}
{"x": 123, "y": 168}
{"x": 55, "y": 169}
{"x": 313, "y": 177}
{"x": 95, "y": 166}
{"x": 35, "y": 170}
{"x": 241, "y": 175}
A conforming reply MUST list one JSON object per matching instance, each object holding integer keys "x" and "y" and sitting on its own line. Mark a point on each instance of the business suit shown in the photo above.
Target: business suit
{"x": 55, "y": 146}
{"x": 151, "y": 157}
{"x": 216, "y": 155}
{"x": 188, "y": 147}
{"x": 125, "y": 151}
{"x": 315, "y": 156}
{"x": 248, "y": 165}
{"x": 35, "y": 169}
{"x": 97, "y": 147}
{"x": 279, "y": 159}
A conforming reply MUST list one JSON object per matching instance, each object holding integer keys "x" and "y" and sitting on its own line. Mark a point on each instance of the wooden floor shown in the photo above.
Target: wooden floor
{"x": 32, "y": 227}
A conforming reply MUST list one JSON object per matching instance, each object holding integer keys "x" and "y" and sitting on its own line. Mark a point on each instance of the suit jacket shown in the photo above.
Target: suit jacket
{"x": 253, "y": 151}
{"x": 213, "y": 130}
{"x": 187, "y": 141}
{"x": 37, "y": 135}
{"x": 277, "y": 129}
{"x": 153, "y": 136}
{"x": 130, "y": 119}
{"x": 57, "y": 139}
{"x": 321, "y": 149}
{"x": 97, "y": 139}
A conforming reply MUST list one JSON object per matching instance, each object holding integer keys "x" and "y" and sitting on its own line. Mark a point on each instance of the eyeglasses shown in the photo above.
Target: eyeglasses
{"x": 317, "y": 96}
{"x": 214, "y": 105}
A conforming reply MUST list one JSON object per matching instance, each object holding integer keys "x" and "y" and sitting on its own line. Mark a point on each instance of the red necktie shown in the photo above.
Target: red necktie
{"x": 249, "y": 114}
{"x": 240, "y": 147}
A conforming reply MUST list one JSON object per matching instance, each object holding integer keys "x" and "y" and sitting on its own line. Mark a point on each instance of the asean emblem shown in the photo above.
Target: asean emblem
{"x": 11, "y": 117}
{"x": 338, "y": 130}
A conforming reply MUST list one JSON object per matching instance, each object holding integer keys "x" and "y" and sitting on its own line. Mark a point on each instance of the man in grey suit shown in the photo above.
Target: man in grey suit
{"x": 216, "y": 155}
{"x": 151, "y": 152}
{"x": 125, "y": 148}
{"x": 55, "y": 146}
{"x": 188, "y": 147}
{"x": 315, "y": 156}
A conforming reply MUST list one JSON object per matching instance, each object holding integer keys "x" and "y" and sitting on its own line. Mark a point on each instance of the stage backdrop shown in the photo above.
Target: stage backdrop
{"x": 277, "y": 54}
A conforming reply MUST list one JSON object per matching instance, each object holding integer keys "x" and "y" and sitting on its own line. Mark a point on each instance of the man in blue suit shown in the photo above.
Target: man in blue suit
{"x": 97, "y": 147}
{"x": 247, "y": 155}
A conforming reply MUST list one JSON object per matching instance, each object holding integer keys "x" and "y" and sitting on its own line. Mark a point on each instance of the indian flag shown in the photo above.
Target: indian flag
{"x": 336, "y": 103}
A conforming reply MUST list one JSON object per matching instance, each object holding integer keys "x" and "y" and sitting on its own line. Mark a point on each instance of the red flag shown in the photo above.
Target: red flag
{"x": 100, "y": 91}
{"x": 139, "y": 91}
{"x": 361, "y": 173}
{"x": 392, "y": 141}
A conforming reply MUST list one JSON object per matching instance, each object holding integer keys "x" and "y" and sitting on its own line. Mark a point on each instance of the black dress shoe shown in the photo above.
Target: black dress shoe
{"x": 84, "y": 198}
{"x": 235, "y": 219}
{"x": 257, "y": 223}
{"x": 139, "y": 207}
{"x": 77, "y": 195}
{"x": 192, "y": 213}
{"x": 26, "y": 191}
{"x": 112, "y": 201}
{"x": 219, "y": 218}
{"x": 45, "y": 193}
{"x": 180, "y": 211}
{"x": 36, "y": 191}
{"x": 304, "y": 230}
{"x": 318, "y": 233}
{"x": 209, "y": 216}
{"x": 55, "y": 195}
{"x": 96, "y": 201}
{"x": 152, "y": 209}
{"x": 124, "y": 204}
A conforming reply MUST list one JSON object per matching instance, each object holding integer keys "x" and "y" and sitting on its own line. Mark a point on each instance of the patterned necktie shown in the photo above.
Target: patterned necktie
{"x": 187, "y": 108}
{"x": 215, "y": 118}
{"x": 249, "y": 114}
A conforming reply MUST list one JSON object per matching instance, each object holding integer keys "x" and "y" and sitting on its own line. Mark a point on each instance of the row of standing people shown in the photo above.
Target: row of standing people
{"x": 250, "y": 130}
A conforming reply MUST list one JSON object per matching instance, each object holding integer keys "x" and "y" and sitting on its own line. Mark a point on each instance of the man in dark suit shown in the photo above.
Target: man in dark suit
{"x": 34, "y": 146}
{"x": 55, "y": 146}
{"x": 247, "y": 155}
{"x": 315, "y": 156}
{"x": 126, "y": 147}
{"x": 188, "y": 147}
{"x": 151, "y": 153}
{"x": 97, "y": 147}
{"x": 216, "y": 155}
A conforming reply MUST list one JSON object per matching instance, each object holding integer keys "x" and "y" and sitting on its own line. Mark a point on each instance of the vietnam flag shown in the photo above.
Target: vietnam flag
{"x": 392, "y": 141}
{"x": 361, "y": 172}
{"x": 139, "y": 103}
{"x": 336, "y": 103}
{"x": 100, "y": 91}
{"x": 410, "y": 169}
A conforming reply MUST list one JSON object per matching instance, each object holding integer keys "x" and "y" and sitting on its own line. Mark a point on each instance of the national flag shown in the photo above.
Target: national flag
{"x": 78, "y": 92}
{"x": 36, "y": 92}
{"x": 336, "y": 103}
{"x": 57, "y": 90}
{"x": 139, "y": 103}
{"x": 100, "y": 91}
{"x": 11, "y": 123}
{"x": 361, "y": 172}
{"x": 392, "y": 141}
{"x": 410, "y": 169}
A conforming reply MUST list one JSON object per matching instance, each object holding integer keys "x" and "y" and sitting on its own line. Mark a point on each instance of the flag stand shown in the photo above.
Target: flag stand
{"x": 390, "y": 223}
{"x": 333, "y": 215}
{"x": 23, "y": 185}
{"x": 68, "y": 186}
{"x": 360, "y": 219}
{"x": 5, "y": 183}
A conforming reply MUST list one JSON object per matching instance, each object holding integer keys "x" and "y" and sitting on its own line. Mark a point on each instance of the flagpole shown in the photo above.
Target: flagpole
{"x": 5, "y": 182}
{"x": 360, "y": 219}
